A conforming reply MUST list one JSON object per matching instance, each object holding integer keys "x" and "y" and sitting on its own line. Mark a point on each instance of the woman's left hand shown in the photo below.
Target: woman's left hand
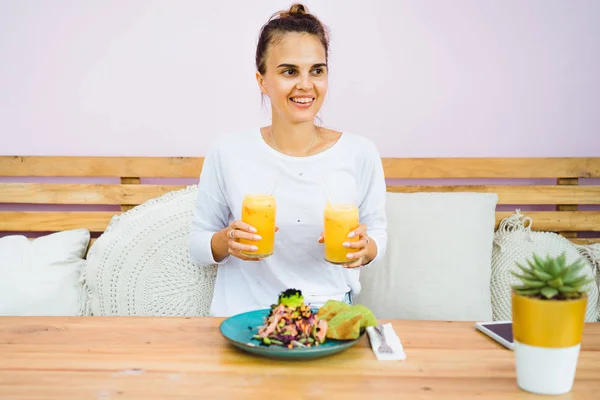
{"x": 357, "y": 250}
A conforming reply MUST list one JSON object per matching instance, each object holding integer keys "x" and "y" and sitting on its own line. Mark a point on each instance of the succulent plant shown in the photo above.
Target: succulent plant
{"x": 551, "y": 278}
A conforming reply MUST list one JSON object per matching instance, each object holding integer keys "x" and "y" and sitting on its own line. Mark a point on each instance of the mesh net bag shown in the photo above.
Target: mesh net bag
{"x": 515, "y": 242}
{"x": 141, "y": 265}
{"x": 592, "y": 253}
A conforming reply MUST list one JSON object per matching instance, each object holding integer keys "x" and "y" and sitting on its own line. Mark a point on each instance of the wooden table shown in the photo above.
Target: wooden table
{"x": 105, "y": 358}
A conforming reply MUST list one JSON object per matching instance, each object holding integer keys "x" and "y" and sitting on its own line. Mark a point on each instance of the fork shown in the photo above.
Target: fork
{"x": 383, "y": 347}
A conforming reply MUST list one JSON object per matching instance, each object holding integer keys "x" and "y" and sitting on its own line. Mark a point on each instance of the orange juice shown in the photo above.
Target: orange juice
{"x": 258, "y": 210}
{"x": 340, "y": 220}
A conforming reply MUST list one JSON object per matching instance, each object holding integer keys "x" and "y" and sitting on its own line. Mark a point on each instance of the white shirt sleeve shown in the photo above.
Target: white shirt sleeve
{"x": 211, "y": 213}
{"x": 372, "y": 211}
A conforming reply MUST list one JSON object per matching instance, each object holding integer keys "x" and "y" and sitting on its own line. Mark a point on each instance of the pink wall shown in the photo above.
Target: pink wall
{"x": 421, "y": 78}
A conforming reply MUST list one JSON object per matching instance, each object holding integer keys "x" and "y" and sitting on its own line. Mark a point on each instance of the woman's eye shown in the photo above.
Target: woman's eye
{"x": 289, "y": 72}
{"x": 318, "y": 71}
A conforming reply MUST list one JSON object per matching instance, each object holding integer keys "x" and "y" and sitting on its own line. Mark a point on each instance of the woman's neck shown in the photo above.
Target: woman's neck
{"x": 293, "y": 139}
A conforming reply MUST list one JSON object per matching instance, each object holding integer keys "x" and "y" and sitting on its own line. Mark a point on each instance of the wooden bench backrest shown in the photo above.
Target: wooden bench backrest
{"x": 553, "y": 184}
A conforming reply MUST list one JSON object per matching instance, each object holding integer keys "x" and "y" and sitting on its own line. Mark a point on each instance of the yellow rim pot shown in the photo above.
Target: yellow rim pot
{"x": 547, "y": 335}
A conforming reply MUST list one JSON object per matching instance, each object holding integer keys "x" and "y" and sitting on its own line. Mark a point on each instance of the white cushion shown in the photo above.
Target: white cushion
{"x": 515, "y": 242}
{"x": 41, "y": 277}
{"x": 438, "y": 260}
{"x": 141, "y": 265}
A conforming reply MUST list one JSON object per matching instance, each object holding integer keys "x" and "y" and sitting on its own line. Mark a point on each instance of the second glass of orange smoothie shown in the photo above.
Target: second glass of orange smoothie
{"x": 339, "y": 221}
{"x": 258, "y": 210}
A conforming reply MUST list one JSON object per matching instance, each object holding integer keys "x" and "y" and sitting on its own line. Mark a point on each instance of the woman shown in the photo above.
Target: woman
{"x": 303, "y": 164}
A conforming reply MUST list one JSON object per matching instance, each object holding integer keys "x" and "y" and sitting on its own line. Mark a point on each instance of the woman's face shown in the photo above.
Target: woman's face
{"x": 296, "y": 77}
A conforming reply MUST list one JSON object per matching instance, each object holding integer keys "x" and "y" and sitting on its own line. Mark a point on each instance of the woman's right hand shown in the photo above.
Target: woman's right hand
{"x": 241, "y": 230}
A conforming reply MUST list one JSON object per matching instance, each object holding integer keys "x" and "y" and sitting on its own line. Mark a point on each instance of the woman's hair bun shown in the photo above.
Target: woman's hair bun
{"x": 296, "y": 19}
{"x": 297, "y": 10}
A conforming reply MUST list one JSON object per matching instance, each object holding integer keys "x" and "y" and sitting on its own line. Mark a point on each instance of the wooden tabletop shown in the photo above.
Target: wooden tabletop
{"x": 105, "y": 358}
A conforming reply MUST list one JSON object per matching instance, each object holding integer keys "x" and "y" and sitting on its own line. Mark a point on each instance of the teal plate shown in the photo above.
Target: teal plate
{"x": 239, "y": 330}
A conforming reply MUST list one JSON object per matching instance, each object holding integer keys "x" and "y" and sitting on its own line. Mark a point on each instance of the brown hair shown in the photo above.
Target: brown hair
{"x": 296, "y": 19}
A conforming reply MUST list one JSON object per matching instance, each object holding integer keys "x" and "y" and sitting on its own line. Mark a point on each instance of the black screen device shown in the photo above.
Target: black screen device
{"x": 500, "y": 331}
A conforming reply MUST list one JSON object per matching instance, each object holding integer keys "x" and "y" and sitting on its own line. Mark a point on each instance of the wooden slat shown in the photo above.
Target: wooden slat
{"x": 34, "y": 221}
{"x": 585, "y": 240}
{"x": 519, "y": 194}
{"x": 574, "y": 240}
{"x": 131, "y": 194}
{"x": 189, "y": 167}
{"x": 152, "y": 167}
{"x": 567, "y": 182}
{"x": 567, "y": 206}
{"x": 572, "y": 167}
{"x": 70, "y": 193}
{"x": 559, "y": 220}
{"x": 130, "y": 181}
{"x": 38, "y": 221}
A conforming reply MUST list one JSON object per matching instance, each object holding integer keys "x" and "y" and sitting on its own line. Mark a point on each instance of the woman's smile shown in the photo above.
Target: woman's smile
{"x": 302, "y": 102}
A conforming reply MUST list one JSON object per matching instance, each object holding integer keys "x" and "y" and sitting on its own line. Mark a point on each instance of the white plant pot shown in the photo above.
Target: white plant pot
{"x": 543, "y": 370}
{"x": 547, "y": 336}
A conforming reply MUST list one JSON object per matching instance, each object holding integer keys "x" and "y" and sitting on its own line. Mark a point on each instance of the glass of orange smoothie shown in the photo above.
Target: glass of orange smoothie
{"x": 339, "y": 221}
{"x": 258, "y": 210}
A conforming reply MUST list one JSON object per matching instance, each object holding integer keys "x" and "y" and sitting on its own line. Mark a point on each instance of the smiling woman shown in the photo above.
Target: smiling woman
{"x": 302, "y": 170}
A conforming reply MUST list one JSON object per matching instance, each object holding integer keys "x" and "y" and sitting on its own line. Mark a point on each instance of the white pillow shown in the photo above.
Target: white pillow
{"x": 140, "y": 265}
{"x": 515, "y": 242}
{"x": 41, "y": 277}
{"x": 438, "y": 260}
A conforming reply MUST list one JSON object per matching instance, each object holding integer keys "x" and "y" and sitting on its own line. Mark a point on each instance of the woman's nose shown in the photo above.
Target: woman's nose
{"x": 304, "y": 83}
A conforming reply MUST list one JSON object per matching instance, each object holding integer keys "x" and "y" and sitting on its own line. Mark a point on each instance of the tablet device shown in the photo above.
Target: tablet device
{"x": 500, "y": 331}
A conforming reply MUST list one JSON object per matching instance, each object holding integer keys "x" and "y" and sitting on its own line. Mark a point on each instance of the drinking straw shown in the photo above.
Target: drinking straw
{"x": 276, "y": 183}
{"x": 326, "y": 190}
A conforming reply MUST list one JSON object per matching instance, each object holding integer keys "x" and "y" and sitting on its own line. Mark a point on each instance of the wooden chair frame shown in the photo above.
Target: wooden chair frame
{"x": 555, "y": 184}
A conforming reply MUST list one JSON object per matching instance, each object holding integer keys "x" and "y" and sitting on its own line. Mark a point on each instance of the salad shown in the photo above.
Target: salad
{"x": 292, "y": 324}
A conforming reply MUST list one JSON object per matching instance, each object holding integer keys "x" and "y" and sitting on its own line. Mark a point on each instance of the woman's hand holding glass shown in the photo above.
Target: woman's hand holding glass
{"x": 241, "y": 237}
{"x": 357, "y": 245}
{"x": 241, "y": 230}
{"x": 359, "y": 249}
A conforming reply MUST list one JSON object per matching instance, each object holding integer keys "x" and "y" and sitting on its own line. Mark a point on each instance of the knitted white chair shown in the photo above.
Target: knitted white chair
{"x": 141, "y": 265}
{"x": 514, "y": 242}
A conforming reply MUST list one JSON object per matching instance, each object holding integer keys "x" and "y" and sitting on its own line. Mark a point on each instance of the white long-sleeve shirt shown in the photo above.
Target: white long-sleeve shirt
{"x": 243, "y": 163}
